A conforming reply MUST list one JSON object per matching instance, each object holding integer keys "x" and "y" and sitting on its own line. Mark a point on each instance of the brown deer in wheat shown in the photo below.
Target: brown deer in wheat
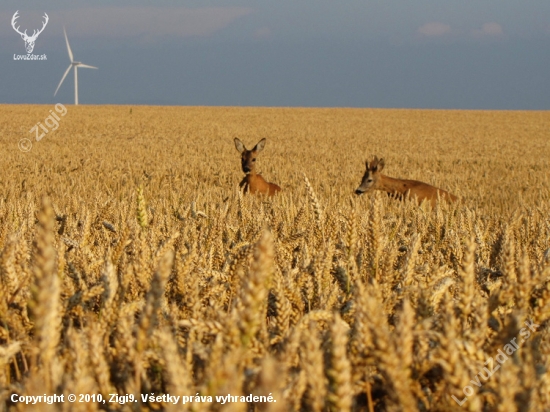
{"x": 253, "y": 182}
{"x": 399, "y": 188}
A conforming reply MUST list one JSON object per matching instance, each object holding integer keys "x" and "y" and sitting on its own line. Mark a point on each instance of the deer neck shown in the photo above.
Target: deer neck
{"x": 252, "y": 174}
{"x": 392, "y": 186}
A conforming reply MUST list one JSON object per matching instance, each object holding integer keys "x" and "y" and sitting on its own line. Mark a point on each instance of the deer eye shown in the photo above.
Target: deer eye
{"x": 253, "y": 160}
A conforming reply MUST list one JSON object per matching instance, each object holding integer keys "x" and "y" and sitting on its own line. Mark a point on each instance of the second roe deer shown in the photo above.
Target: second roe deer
{"x": 253, "y": 182}
{"x": 399, "y": 188}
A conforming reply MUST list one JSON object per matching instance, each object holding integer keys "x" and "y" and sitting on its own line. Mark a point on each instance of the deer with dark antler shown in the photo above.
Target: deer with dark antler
{"x": 29, "y": 40}
{"x": 399, "y": 188}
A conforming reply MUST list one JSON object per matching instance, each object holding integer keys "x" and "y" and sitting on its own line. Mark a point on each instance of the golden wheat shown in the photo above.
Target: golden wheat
{"x": 130, "y": 264}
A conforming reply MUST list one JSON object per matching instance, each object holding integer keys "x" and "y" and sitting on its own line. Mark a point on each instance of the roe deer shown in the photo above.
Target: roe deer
{"x": 399, "y": 188}
{"x": 253, "y": 182}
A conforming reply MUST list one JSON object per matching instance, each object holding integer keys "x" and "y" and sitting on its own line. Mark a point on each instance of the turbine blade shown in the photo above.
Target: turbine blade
{"x": 86, "y": 66}
{"x": 63, "y": 78}
{"x": 68, "y": 47}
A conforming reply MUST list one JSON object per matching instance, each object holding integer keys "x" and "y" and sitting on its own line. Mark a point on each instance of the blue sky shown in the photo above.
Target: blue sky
{"x": 421, "y": 54}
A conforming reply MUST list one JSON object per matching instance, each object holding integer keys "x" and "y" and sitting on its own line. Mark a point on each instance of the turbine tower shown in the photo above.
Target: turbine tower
{"x": 76, "y": 65}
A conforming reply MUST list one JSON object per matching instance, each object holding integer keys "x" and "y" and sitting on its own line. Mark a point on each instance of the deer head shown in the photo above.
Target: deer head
{"x": 248, "y": 157}
{"x": 371, "y": 176}
{"x": 29, "y": 40}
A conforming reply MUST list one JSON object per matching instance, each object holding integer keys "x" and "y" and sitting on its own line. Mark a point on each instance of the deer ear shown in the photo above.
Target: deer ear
{"x": 374, "y": 163}
{"x": 380, "y": 164}
{"x": 239, "y": 145}
{"x": 367, "y": 164}
{"x": 260, "y": 145}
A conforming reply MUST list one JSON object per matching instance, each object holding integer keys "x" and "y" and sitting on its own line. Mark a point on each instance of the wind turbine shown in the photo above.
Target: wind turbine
{"x": 76, "y": 65}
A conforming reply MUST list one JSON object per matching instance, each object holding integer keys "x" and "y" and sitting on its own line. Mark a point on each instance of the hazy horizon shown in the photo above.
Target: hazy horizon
{"x": 492, "y": 56}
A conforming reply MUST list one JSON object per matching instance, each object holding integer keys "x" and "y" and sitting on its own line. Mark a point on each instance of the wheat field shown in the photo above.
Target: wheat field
{"x": 133, "y": 271}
